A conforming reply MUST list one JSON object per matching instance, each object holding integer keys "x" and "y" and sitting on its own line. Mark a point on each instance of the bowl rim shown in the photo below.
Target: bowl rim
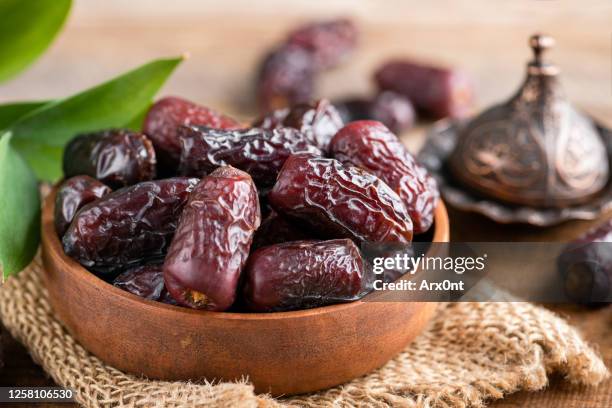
{"x": 52, "y": 243}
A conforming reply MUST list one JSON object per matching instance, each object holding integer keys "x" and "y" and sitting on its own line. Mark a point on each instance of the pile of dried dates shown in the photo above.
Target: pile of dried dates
{"x": 405, "y": 88}
{"x": 198, "y": 210}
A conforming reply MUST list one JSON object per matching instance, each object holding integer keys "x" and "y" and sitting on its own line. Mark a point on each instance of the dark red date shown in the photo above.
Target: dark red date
{"x": 213, "y": 239}
{"x": 340, "y": 201}
{"x": 286, "y": 77}
{"x": 328, "y": 42}
{"x": 319, "y": 121}
{"x": 371, "y": 146}
{"x": 72, "y": 195}
{"x": 303, "y": 274}
{"x": 163, "y": 120}
{"x": 276, "y": 229}
{"x": 259, "y": 152}
{"x": 392, "y": 109}
{"x": 146, "y": 281}
{"x": 116, "y": 157}
{"x": 436, "y": 92}
{"x": 128, "y": 226}
{"x": 585, "y": 266}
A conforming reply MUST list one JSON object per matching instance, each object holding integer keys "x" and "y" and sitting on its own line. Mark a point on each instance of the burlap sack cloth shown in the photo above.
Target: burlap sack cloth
{"x": 470, "y": 353}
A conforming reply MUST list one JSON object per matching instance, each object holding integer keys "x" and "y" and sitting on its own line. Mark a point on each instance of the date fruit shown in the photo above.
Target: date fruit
{"x": 303, "y": 274}
{"x": 371, "y": 146}
{"x": 116, "y": 157}
{"x": 287, "y": 74}
{"x": 319, "y": 121}
{"x": 328, "y": 42}
{"x": 340, "y": 201}
{"x": 286, "y": 77}
{"x": 585, "y": 266}
{"x": 72, "y": 195}
{"x": 276, "y": 229}
{"x": 259, "y": 152}
{"x": 392, "y": 109}
{"x": 146, "y": 281}
{"x": 163, "y": 120}
{"x": 213, "y": 239}
{"x": 127, "y": 227}
{"x": 436, "y": 92}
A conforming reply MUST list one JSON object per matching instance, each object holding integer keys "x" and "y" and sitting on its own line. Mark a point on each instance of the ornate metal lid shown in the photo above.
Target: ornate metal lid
{"x": 535, "y": 149}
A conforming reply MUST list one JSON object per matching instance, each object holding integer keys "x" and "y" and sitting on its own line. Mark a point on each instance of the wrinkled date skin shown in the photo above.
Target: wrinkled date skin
{"x": 259, "y": 152}
{"x": 213, "y": 240}
{"x": 340, "y": 201}
{"x": 392, "y": 109}
{"x": 128, "y": 226}
{"x": 328, "y": 42}
{"x": 303, "y": 274}
{"x": 286, "y": 77}
{"x": 72, "y": 195}
{"x": 163, "y": 120}
{"x": 319, "y": 121}
{"x": 146, "y": 281}
{"x": 276, "y": 229}
{"x": 434, "y": 91}
{"x": 371, "y": 146}
{"x": 585, "y": 266}
{"x": 116, "y": 157}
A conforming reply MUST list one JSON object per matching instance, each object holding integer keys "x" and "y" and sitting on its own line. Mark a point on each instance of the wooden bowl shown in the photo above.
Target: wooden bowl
{"x": 281, "y": 353}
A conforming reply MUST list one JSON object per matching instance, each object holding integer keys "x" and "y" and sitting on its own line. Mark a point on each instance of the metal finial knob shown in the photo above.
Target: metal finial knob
{"x": 540, "y": 43}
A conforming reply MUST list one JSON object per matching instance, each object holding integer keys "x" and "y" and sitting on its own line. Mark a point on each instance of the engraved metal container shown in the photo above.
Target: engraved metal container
{"x": 535, "y": 149}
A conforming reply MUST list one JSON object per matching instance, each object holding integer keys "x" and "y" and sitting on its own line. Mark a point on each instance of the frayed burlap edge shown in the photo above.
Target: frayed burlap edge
{"x": 470, "y": 353}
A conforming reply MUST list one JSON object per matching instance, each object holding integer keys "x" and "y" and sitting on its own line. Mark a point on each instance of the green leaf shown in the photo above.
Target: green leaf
{"x": 136, "y": 122}
{"x": 45, "y": 160}
{"x": 112, "y": 104}
{"x": 11, "y": 112}
{"x": 27, "y": 29}
{"x": 19, "y": 210}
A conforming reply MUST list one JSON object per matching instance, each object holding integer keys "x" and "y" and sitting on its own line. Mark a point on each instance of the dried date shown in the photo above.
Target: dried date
{"x": 286, "y": 77}
{"x": 128, "y": 226}
{"x": 328, "y": 42}
{"x": 146, "y": 281}
{"x": 276, "y": 229}
{"x": 585, "y": 266}
{"x": 340, "y": 201}
{"x": 392, "y": 109}
{"x": 372, "y": 147}
{"x": 72, "y": 195}
{"x": 163, "y": 120}
{"x": 116, "y": 157}
{"x": 213, "y": 239}
{"x": 319, "y": 121}
{"x": 259, "y": 152}
{"x": 436, "y": 92}
{"x": 303, "y": 274}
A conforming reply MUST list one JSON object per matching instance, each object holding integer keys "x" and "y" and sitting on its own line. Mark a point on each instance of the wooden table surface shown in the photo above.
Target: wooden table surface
{"x": 225, "y": 39}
